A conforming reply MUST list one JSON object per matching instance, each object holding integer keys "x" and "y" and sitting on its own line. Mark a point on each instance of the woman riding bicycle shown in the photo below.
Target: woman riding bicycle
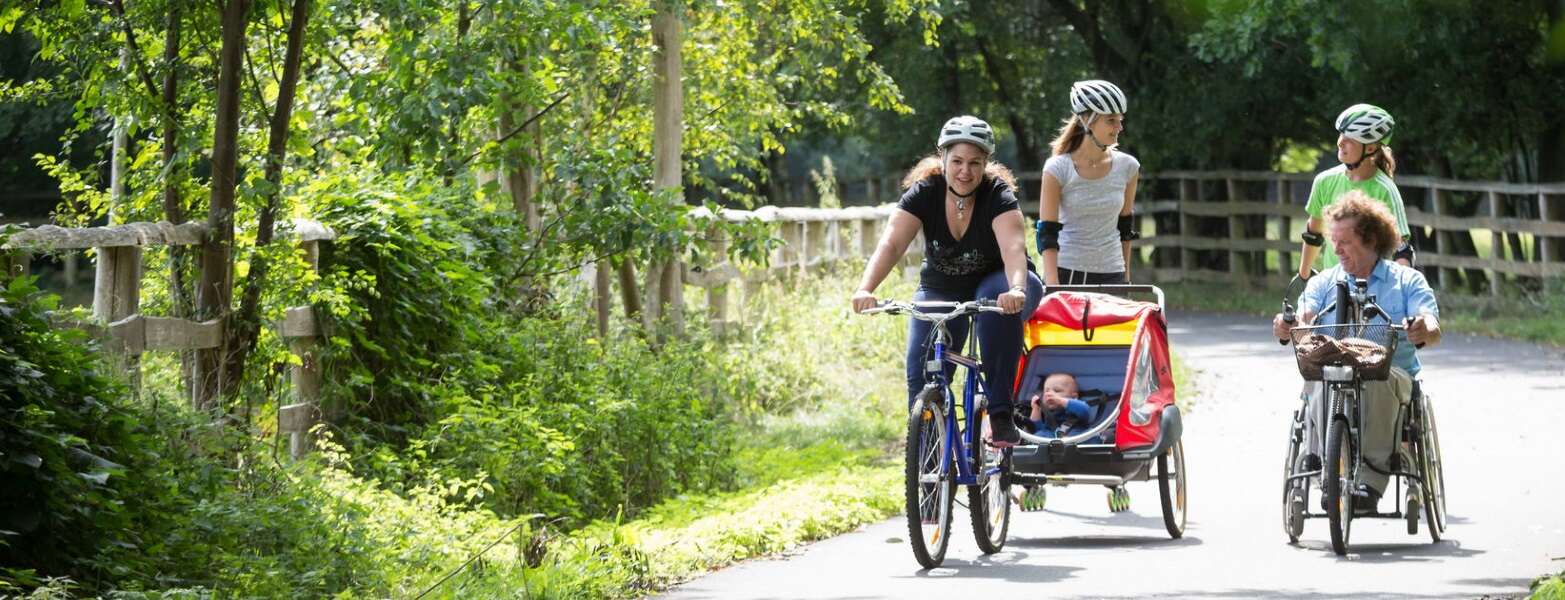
{"x": 1363, "y": 138}
{"x": 1362, "y": 234}
{"x": 1088, "y": 192}
{"x": 974, "y": 248}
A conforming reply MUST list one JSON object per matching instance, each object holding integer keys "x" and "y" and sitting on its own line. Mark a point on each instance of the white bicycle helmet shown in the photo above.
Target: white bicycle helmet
{"x": 967, "y": 128}
{"x": 1366, "y": 124}
{"x": 1097, "y": 96}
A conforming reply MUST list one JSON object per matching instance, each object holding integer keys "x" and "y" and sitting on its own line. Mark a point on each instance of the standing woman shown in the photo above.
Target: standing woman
{"x": 1089, "y": 190}
{"x": 1363, "y": 134}
{"x": 974, "y": 248}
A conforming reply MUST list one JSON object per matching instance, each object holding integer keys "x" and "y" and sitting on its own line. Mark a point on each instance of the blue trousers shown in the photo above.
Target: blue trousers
{"x": 999, "y": 338}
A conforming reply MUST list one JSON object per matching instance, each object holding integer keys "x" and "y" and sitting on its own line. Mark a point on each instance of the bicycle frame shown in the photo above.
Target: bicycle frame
{"x": 973, "y": 385}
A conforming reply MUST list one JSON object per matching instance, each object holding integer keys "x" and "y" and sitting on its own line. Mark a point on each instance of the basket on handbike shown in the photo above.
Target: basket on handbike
{"x": 1367, "y": 348}
{"x": 1117, "y": 350}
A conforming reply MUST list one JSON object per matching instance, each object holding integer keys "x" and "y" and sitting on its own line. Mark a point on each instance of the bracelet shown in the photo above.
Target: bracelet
{"x": 1019, "y": 288}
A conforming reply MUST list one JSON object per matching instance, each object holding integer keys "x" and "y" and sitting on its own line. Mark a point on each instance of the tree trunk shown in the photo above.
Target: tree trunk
{"x": 668, "y": 110}
{"x": 215, "y": 292}
{"x": 246, "y": 327}
{"x": 173, "y": 207}
{"x": 629, "y": 293}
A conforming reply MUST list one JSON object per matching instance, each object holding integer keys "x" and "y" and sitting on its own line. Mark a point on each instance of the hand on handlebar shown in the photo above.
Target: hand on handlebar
{"x": 863, "y": 299}
{"x": 1012, "y": 301}
{"x": 1280, "y": 326}
{"x": 1422, "y": 330}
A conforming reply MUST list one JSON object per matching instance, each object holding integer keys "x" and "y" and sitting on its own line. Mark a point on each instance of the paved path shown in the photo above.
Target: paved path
{"x": 1501, "y": 407}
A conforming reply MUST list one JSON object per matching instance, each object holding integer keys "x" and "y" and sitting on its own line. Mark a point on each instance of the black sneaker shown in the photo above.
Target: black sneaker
{"x": 1002, "y": 432}
{"x": 1365, "y": 500}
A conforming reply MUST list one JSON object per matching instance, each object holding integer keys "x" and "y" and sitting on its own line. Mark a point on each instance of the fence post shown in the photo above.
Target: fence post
{"x": 1436, "y": 200}
{"x": 869, "y": 237}
{"x": 717, "y": 295}
{"x": 116, "y": 296}
{"x": 1188, "y": 191}
{"x": 1546, "y": 245}
{"x": 1238, "y": 261}
{"x": 1285, "y": 262}
{"x": 1496, "y": 245}
{"x": 302, "y": 331}
{"x": 816, "y": 245}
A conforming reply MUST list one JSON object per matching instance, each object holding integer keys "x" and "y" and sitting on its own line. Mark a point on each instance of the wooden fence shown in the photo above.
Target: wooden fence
{"x": 127, "y": 333}
{"x": 1240, "y": 226}
{"x": 812, "y": 238}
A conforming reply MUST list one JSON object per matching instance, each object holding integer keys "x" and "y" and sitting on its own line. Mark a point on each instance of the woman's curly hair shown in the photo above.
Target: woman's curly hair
{"x": 1372, "y": 222}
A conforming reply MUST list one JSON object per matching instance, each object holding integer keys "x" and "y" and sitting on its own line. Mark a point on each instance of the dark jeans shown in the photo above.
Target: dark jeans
{"x": 1069, "y": 277}
{"x": 1000, "y": 338}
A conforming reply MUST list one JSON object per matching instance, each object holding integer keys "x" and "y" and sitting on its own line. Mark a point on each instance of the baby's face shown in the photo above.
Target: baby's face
{"x": 1058, "y": 389}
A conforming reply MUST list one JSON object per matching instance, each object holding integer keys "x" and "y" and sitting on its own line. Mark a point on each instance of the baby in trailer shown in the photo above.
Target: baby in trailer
{"x": 1056, "y": 409}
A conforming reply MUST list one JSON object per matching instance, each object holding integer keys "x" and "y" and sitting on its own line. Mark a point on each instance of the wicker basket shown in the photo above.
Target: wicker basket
{"x": 1366, "y": 348}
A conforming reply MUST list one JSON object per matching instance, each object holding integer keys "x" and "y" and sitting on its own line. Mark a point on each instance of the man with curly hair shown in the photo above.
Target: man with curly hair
{"x": 1363, "y": 234}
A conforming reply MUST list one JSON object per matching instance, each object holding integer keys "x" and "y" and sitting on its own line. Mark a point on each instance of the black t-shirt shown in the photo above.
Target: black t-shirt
{"x": 951, "y": 265}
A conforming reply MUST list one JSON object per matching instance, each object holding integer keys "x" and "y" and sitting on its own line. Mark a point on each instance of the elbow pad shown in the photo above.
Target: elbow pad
{"x": 1049, "y": 235}
{"x": 1126, "y": 233}
{"x": 1405, "y": 252}
{"x": 1312, "y": 238}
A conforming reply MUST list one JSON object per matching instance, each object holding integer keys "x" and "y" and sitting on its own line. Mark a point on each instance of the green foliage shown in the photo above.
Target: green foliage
{"x": 67, "y": 448}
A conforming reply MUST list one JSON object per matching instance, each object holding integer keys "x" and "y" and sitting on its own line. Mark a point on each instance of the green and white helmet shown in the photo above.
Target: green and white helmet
{"x": 1366, "y": 124}
{"x": 968, "y": 129}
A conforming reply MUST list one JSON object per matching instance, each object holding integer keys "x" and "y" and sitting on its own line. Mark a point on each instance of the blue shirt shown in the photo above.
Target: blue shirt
{"x": 1074, "y": 409}
{"x": 1400, "y": 291}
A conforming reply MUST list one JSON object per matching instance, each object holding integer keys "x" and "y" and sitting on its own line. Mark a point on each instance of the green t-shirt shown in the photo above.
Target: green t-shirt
{"x": 1333, "y": 183}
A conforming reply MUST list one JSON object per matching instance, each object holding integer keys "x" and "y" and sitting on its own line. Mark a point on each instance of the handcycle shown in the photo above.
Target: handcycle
{"x": 946, "y": 441}
{"x": 1342, "y": 357}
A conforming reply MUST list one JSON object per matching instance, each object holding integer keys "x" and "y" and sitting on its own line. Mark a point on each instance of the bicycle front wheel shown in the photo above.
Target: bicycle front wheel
{"x": 1335, "y": 486}
{"x": 989, "y": 502}
{"x": 929, "y": 486}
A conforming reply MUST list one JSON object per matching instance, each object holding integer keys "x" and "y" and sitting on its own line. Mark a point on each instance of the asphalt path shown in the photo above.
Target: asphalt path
{"x": 1501, "y": 410}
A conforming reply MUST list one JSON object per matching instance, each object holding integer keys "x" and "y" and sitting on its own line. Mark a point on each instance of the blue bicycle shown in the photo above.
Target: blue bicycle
{"x": 946, "y": 447}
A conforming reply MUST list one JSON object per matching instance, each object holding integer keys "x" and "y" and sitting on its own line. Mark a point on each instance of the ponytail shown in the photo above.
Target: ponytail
{"x": 1071, "y": 134}
{"x": 1385, "y": 161}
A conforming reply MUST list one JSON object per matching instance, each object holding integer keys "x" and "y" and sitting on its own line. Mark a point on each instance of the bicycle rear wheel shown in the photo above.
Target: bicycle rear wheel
{"x": 1339, "y": 495}
{"x": 929, "y": 488}
{"x": 989, "y": 501}
{"x": 1433, "y": 472}
{"x": 1171, "y": 488}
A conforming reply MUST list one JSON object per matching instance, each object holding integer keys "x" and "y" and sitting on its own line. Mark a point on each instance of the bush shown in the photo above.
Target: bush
{"x": 68, "y": 449}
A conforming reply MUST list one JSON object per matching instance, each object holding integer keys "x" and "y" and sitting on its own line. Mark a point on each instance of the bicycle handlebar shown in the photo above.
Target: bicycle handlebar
{"x": 921, "y": 310}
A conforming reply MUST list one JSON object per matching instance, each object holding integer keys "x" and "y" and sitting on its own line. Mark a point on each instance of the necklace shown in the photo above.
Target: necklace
{"x": 961, "y": 199}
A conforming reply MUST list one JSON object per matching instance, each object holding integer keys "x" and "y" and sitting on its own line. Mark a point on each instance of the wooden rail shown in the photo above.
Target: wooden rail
{"x": 126, "y": 333}
{"x": 1238, "y": 226}
{"x": 813, "y": 238}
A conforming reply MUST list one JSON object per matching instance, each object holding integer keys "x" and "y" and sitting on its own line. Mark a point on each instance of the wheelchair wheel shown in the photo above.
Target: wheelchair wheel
{"x": 1171, "y": 488}
{"x": 988, "y": 502}
{"x": 1334, "y": 485}
{"x": 1431, "y": 470}
{"x": 1295, "y": 492}
{"x": 929, "y": 487}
